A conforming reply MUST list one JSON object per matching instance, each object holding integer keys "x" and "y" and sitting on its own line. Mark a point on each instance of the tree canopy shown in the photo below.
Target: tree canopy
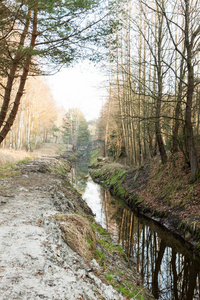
{"x": 40, "y": 36}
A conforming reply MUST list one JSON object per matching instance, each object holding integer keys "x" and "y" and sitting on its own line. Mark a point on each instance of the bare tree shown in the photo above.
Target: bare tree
{"x": 189, "y": 10}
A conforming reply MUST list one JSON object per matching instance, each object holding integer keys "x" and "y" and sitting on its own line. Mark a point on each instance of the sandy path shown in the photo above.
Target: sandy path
{"x": 35, "y": 262}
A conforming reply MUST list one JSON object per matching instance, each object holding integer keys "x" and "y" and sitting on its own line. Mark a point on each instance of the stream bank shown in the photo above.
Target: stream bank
{"x": 163, "y": 193}
{"x": 51, "y": 247}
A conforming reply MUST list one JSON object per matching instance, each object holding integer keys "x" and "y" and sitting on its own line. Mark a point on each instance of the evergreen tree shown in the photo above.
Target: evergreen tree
{"x": 76, "y": 131}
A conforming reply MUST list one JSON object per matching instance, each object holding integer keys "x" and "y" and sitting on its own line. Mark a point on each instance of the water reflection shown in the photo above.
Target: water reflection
{"x": 79, "y": 177}
{"x": 167, "y": 267}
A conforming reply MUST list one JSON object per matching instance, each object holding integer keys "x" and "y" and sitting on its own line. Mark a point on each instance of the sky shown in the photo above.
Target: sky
{"x": 81, "y": 86}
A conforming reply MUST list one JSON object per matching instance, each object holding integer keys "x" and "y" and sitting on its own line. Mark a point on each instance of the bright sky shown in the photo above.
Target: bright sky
{"x": 81, "y": 86}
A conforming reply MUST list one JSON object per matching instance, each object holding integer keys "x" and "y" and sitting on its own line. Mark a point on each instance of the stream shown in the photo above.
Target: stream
{"x": 168, "y": 268}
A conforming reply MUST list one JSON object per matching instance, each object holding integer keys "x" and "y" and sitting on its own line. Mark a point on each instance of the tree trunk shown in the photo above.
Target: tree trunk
{"x": 189, "y": 128}
{"x": 190, "y": 92}
{"x": 23, "y": 79}
{"x": 155, "y": 289}
{"x": 13, "y": 69}
{"x": 178, "y": 110}
{"x": 159, "y": 97}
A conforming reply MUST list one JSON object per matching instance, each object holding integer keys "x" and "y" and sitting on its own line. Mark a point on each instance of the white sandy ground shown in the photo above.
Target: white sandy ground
{"x": 35, "y": 262}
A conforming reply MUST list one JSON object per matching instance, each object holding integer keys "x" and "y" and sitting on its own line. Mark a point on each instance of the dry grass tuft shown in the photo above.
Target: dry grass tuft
{"x": 49, "y": 149}
{"x": 8, "y": 156}
{"x": 79, "y": 234}
{"x": 11, "y": 156}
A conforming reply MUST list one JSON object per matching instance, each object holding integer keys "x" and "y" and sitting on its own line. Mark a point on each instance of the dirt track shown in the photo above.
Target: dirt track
{"x": 35, "y": 262}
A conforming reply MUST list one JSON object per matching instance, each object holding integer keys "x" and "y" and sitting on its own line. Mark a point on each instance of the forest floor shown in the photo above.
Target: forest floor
{"x": 164, "y": 193}
{"x": 51, "y": 247}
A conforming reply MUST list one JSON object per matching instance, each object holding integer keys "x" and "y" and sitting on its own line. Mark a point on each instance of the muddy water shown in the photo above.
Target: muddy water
{"x": 167, "y": 266}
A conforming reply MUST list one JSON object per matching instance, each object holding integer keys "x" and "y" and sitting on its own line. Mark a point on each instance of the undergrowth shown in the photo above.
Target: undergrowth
{"x": 165, "y": 192}
{"x": 112, "y": 176}
{"x": 90, "y": 240}
{"x": 9, "y": 170}
{"x": 94, "y": 155}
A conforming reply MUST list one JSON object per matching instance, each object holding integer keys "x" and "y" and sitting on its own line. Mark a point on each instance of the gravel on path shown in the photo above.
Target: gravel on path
{"x": 35, "y": 262}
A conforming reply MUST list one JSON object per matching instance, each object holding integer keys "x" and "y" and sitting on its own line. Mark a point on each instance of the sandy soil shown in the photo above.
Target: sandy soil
{"x": 35, "y": 262}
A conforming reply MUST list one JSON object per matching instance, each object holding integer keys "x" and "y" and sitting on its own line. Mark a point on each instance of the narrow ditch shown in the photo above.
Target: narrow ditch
{"x": 168, "y": 267}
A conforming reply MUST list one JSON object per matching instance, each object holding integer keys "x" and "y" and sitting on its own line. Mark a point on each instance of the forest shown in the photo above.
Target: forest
{"x": 154, "y": 100}
{"x": 137, "y": 233}
{"x": 150, "y": 50}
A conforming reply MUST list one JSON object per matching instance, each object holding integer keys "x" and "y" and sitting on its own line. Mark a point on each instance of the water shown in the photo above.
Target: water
{"x": 167, "y": 266}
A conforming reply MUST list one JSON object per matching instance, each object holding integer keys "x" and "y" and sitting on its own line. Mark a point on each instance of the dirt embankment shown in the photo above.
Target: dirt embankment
{"x": 162, "y": 192}
{"x": 51, "y": 247}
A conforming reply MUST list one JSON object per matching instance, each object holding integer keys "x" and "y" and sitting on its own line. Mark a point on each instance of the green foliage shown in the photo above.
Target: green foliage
{"x": 90, "y": 242}
{"x": 125, "y": 291}
{"x": 64, "y": 28}
{"x": 94, "y": 155}
{"x": 99, "y": 256}
{"x": 76, "y": 130}
{"x": 100, "y": 229}
{"x": 23, "y": 161}
{"x": 109, "y": 278}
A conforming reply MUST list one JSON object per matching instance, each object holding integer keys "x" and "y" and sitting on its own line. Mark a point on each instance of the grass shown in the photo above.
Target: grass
{"x": 8, "y": 170}
{"x": 8, "y": 156}
{"x": 49, "y": 149}
{"x": 100, "y": 257}
{"x": 109, "y": 278}
{"x": 134, "y": 293}
{"x": 80, "y": 233}
{"x": 94, "y": 155}
{"x": 100, "y": 229}
{"x": 61, "y": 168}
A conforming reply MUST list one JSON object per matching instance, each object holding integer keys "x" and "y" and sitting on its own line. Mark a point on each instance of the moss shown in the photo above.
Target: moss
{"x": 112, "y": 178}
{"x": 62, "y": 168}
{"x": 9, "y": 170}
{"x": 94, "y": 155}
